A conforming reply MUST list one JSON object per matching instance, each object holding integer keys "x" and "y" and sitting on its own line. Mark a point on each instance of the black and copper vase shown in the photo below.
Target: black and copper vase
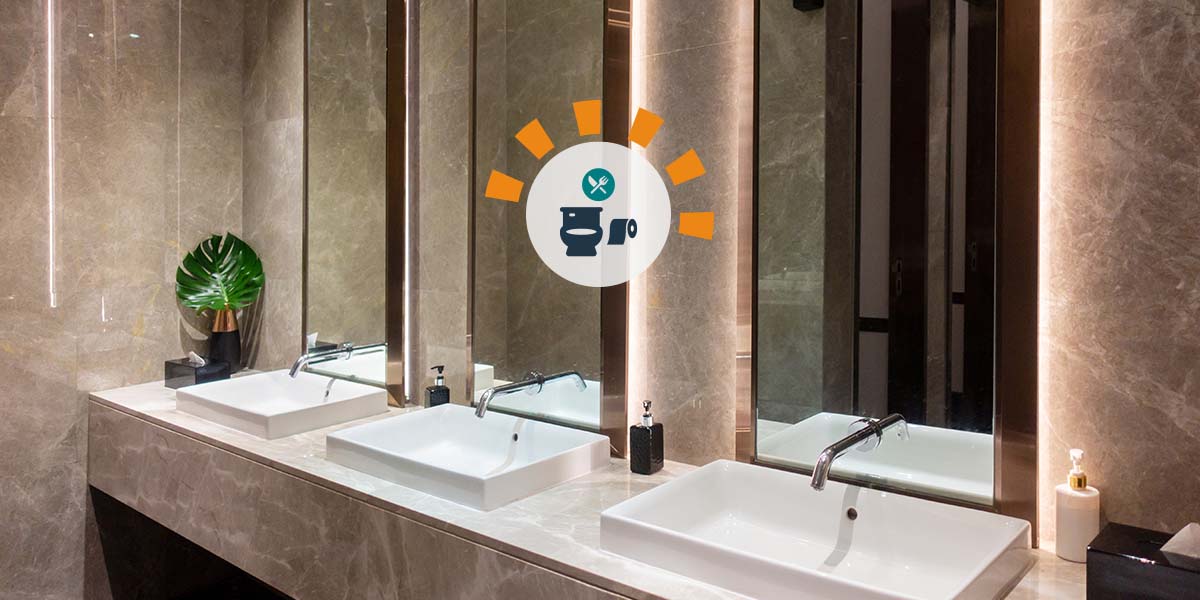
{"x": 226, "y": 341}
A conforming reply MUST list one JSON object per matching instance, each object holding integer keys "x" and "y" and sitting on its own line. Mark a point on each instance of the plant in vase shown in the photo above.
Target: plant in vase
{"x": 221, "y": 275}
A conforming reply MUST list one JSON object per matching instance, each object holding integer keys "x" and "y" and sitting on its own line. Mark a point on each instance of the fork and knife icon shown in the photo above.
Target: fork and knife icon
{"x": 597, "y": 185}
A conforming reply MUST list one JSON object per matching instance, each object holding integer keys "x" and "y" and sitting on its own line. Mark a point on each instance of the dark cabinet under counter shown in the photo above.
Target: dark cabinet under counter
{"x": 1127, "y": 562}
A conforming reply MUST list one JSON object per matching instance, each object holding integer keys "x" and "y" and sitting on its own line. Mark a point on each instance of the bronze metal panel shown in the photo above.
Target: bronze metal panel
{"x": 614, "y": 300}
{"x": 396, "y": 141}
{"x": 1017, "y": 108}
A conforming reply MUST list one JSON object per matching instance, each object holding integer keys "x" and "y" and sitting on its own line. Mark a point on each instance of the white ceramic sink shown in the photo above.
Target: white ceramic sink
{"x": 273, "y": 405}
{"x": 767, "y": 534}
{"x": 483, "y": 463}
{"x": 933, "y": 460}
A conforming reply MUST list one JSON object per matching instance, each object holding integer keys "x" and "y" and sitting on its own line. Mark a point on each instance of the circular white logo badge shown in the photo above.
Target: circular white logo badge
{"x": 598, "y": 214}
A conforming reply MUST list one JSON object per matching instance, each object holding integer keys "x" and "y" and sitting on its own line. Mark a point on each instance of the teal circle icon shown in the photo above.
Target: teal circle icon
{"x": 598, "y": 184}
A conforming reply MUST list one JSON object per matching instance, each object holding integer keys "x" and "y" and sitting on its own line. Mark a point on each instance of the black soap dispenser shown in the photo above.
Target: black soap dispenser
{"x": 437, "y": 394}
{"x": 646, "y": 444}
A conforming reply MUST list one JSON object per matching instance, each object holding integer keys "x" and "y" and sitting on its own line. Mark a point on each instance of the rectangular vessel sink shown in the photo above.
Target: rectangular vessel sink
{"x": 483, "y": 463}
{"x": 767, "y": 534}
{"x": 273, "y": 405}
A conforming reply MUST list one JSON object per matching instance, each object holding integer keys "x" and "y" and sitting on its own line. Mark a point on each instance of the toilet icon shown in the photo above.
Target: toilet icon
{"x": 581, "y": 230}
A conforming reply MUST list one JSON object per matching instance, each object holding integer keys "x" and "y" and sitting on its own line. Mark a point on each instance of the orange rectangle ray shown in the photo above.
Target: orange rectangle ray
{"x": 535, "y": 139}
{"x": 645, "y": 125}
{"x": 686, "y": 167}
{"x": 697, "y": 224}
{"x": 503, "y": 187}
{"x": 588, "y": 116}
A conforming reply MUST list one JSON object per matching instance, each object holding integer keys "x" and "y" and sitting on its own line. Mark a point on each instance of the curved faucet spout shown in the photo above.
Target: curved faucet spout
{"x": 867, "y": 438}
{"x": 345, "y": 349}
{"x": 533, "y": 384}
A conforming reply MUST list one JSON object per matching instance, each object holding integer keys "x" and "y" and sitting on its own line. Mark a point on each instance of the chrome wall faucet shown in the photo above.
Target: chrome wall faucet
{"x": 532, "y": 384}
{"x": 345, "y": 349}
{"x": 865, "y": 439}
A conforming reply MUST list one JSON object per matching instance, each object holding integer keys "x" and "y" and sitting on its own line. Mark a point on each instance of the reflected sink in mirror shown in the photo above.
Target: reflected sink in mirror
{"x": 447, "y": 451}
{"x": 560, "y": 401}
{"x": 273, "y": 405}
{"x": 933, "y": 460}
{"x": 767, "y": 534}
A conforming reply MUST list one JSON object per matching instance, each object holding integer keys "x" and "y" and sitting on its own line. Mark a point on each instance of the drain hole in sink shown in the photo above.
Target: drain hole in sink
{"x": 852, "y": 514}
{"x": 515, "y": 437}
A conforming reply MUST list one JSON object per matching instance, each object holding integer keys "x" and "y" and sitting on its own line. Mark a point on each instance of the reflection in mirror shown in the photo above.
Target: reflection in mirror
{"x": 533, "y": 59}
{"x": 877, "y": 298}
{"x": 346, "y": 238}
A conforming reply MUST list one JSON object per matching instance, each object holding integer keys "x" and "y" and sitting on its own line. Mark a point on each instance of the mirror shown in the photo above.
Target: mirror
{"x": 875, "y": 266}
{"x": 345, "y": 233}
{"x": 525, "y": 317}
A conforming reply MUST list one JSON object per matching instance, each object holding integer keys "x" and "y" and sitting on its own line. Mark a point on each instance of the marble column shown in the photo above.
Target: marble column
{"x": 684, "y": 306}
{"x": 1120, "y": 257}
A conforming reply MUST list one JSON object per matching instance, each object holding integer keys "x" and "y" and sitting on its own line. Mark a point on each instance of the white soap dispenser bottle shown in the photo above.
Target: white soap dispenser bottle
{"x": 1077, "y": 513}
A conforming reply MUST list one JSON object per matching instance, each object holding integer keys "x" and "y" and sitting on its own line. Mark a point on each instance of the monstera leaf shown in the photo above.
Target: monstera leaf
{"x": 219, "y": 274}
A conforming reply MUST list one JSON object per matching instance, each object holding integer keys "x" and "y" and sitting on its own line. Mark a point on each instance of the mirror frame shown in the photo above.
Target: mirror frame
{"x": 1015, "y": 413}
{"x": 614, "y": 300}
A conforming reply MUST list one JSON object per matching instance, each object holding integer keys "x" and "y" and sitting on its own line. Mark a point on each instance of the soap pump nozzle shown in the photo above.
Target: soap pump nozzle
{"x": 440, "y": 379}
{"x": 1077, "y": 479}
{"x": 647, "y": 419}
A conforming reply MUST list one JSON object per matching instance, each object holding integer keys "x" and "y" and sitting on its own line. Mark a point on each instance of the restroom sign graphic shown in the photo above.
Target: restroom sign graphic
{"x": 597, "y": 213}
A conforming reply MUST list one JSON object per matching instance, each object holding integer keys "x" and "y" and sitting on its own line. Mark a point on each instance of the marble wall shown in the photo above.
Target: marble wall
{"x": 272, "y": 102}
{"x": 347, "y": 239}
{"x": 139, "y": 173}
{"x": 1120, "y": 254}
{"x": 145, "y": 121}
{"x": 791, "y": 211}
{"x": 683, "y": 308}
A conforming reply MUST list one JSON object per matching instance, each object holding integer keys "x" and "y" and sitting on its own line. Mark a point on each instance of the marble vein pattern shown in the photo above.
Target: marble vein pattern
{"x": 1120, "y": 258}
{"x": 316, "y": 529}
{"x": 272, "y": 176}
{"x": 139, "y": 126}
{"x": 277, "y": 508}
{"x": 687, "y": 315}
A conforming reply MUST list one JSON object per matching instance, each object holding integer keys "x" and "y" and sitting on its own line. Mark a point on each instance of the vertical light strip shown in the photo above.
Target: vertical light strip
{"x": 410, "y": 58}
{"x": 50, "y": 202}
{"x": 1045, "y": 181}
{"x": 635, "y": 363}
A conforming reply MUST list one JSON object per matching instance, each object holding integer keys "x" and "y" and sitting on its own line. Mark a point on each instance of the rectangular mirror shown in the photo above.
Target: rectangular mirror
{"x": 345, "y": 233}
{"x": 526, "y": 318}
{"x": 876, "y": 228}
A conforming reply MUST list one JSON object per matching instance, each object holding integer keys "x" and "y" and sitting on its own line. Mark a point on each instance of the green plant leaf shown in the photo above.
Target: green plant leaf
{"x": 220, "y": 273}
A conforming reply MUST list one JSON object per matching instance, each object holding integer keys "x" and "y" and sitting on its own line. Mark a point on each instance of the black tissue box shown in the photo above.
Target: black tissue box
{"x": 1127, "y": 562}
{"x": 179, "y": 372}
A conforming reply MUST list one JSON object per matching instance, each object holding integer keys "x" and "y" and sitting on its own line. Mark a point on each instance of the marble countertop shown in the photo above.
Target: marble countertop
{"x": 558, "y": 529}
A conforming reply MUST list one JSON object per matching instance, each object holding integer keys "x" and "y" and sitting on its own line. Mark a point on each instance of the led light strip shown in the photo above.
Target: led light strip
{"x": 50, "y": 150}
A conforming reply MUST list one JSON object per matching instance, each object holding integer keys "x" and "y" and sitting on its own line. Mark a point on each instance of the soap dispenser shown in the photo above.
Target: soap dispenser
{"x": 1077, "y": 512}
{"x": 646, "y": 444}
{"x": 437, "y": 394}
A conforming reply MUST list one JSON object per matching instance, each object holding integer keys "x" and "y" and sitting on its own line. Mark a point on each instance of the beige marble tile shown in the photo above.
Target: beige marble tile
{"x": 689, "y": 316}
{"x": 301, "y": 538}
{"x": 1120, "y": 250}
{"x": 279, "y": 510}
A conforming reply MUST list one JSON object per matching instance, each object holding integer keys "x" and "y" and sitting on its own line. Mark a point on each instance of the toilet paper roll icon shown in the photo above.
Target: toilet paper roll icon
{"x": 619, "y": 228}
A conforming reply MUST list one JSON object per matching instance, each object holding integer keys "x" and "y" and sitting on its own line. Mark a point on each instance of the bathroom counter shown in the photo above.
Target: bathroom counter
{"x": 557, "y": 530}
